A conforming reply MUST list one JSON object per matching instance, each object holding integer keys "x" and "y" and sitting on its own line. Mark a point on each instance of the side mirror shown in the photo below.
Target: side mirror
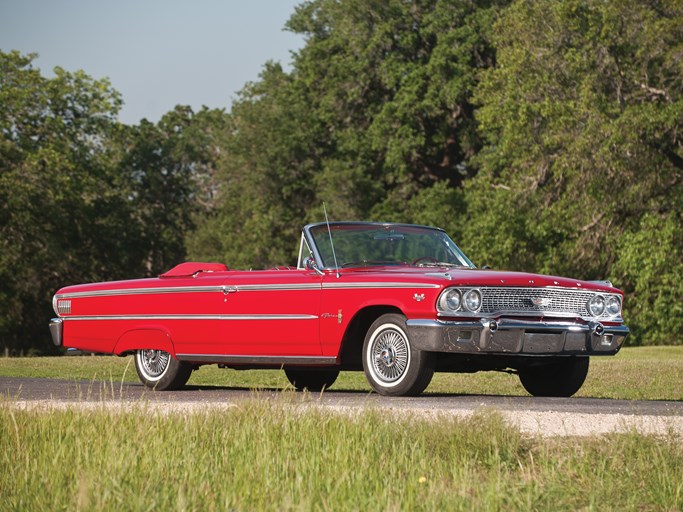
{"x": 310, "y": 264}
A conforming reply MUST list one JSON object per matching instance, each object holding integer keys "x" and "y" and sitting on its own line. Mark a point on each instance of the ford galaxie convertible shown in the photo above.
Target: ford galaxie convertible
{"x": 394, "y": 300}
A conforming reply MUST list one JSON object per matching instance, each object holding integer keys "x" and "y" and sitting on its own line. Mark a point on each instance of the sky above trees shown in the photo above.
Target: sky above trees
{"x": 157, "y": 53}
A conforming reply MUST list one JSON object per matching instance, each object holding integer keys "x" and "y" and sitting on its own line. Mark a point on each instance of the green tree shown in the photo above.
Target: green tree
{"x": 84, "y": 198}
{"x": 650, "y": 264}
{"x": 392, "y": 83}
{"x": 55, "y": 192}
{"x": 264, "y": 177}
{"x": 583, "y": 120}
{"x": 166, "y": 174}
{"x": 375, "y": 120}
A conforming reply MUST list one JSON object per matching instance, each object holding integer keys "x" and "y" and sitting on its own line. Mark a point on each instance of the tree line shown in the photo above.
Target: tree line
{"x": 542, "y": 135}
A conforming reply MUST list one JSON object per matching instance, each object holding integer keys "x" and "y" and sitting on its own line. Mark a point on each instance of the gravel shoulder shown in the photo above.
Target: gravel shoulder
{"x": 544, "y": 417}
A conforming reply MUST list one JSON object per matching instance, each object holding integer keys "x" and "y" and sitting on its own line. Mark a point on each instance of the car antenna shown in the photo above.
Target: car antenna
{"x": 329, "y": 232}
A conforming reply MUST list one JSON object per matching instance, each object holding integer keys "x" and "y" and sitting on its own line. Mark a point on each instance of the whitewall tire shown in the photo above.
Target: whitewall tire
{"x": 160, "y": 370}
{"x": 392, "y": 366}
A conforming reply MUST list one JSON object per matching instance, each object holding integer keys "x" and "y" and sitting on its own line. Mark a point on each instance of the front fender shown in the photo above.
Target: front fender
{"x": 138, "y": 339}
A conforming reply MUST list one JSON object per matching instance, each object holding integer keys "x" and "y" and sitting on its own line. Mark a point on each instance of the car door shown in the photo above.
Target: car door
{"x": 271, "y": 313}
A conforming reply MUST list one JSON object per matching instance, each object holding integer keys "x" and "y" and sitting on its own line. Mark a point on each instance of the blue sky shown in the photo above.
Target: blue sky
{"x": 157, "y": 53}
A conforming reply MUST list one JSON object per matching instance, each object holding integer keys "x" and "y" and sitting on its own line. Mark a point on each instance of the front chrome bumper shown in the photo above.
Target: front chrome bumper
{"x": 57, "y": 331}
{"x": 508, "y": 336}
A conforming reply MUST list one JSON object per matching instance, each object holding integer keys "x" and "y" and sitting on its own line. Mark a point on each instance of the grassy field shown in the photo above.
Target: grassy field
{"x": 642, "y": 373}
{"x": 267, "y": 455}
{"x": 263, "y": 455}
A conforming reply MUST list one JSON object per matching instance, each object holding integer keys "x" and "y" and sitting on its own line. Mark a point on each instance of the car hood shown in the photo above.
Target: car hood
{"x": 449, "y": 276}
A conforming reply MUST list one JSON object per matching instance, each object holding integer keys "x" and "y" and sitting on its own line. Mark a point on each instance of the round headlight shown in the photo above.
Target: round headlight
{"x": 473, "y": 300}
{"x": 613, "y": 305}
{"x": 596, "y": 305}
{"x": 452, "y": 300}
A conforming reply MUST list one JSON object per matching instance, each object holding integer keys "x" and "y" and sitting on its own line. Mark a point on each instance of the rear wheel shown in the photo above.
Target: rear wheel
{"x": 160, "y": 370}
{"x": 561, "y": 377}
{"x": 392, "y": 366}
{"x": 313, "y": 379}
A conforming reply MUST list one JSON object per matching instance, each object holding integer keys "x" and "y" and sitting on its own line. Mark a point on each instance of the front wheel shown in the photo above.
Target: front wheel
{"x": 559, "y": 378}
{"x": 312, "y": 380}
{"x": 160, "y": 370}
{"x": 392, "y": 366}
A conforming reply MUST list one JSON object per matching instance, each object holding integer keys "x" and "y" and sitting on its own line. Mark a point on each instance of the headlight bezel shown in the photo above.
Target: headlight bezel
{"x": 444, "y": 308}
{"x": 610, "y": 301}
{"x": 596, "y": 305}
{"x": 452, "y": 300}
{"x": 467, "y": 298}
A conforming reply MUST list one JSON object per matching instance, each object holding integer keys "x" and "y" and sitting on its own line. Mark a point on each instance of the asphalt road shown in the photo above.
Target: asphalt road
{"x": 56, "y": 390}
{"x": 544, "y": 417}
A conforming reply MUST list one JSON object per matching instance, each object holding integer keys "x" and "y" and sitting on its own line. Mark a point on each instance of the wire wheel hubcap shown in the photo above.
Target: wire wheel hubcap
{"x": 390, "y": 355}
{"x": 154, "y": 362}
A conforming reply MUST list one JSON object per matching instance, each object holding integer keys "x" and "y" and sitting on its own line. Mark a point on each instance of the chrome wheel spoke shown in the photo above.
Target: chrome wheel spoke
{"x": 390, "y": 355}
{"x": 154, "y": 362}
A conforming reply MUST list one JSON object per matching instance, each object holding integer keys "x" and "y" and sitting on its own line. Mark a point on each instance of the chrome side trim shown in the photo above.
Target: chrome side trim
{"x": 259, "y": 360}
{"x": 191, "y": 317}
{"x": 141, "y": 291}
{"x": 338, "y": 286}
{"x": 276, "y": 287}
{"x": 188, "y": 289}
{"x": 335, "y": 285}
{"x": 241, "y": 288}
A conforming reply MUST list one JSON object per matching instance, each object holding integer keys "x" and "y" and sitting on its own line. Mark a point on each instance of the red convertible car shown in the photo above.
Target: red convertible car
{"x": 394, "y": 300}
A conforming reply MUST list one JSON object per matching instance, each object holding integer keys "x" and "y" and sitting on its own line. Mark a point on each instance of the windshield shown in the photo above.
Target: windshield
{"x": 360, "y": 245}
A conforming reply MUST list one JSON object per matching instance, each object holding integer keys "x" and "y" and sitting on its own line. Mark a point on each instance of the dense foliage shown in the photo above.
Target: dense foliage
{"x": 83, "y": 197}
{"x": 543, "y": 135}
{"x": 582, "y": 117}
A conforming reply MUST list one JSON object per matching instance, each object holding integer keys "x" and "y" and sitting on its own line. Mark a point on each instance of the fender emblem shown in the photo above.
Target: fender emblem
{"x": 339, "y": 316}
{"x": 419, "y": 297}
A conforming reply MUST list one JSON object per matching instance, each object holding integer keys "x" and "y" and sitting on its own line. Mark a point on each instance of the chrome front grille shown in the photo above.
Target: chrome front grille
{"x": 534, "y": 301}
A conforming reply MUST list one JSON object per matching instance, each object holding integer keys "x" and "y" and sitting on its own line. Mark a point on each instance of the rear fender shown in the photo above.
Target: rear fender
{"x": 139, "y": 339}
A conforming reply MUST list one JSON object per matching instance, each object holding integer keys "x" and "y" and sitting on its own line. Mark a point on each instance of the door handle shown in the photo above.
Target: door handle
{"x": 228, "y": 290}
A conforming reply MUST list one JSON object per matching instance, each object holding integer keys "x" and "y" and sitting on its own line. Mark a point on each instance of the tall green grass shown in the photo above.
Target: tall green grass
{"x": 265, "y": 455}
{"x": 641, "y": 373}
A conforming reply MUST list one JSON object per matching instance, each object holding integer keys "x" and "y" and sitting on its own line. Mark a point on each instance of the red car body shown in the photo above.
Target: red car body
{"x": 316, "y": 319}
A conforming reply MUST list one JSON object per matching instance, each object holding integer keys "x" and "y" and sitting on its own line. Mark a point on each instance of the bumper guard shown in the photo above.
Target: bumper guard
{"x": 57, "y": 331}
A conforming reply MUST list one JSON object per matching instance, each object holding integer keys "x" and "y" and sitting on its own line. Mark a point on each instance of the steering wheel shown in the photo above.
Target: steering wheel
{"x": 430, "y": 259}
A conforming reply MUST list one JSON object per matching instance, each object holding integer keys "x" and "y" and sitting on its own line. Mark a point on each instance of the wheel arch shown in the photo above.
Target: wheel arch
{"x": 351, "y": 351}
{"x": 144, "y": 338}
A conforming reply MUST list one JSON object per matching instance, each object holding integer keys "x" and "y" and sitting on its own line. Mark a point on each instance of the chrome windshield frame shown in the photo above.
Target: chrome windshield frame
{"x": 309, "y": 239}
